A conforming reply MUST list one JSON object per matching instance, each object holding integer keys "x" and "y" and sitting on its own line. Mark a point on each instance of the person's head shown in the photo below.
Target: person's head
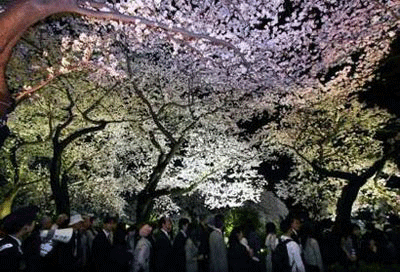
{"x": 120, "y": 234}
{"x": 46, "y": 222}
{"x": 270, "y": 228}
{"x": 236, "y": 235}
{"x": 87, "y": 221}
{"x": 192, "y": 231}
{"x": 290, "y": 225}
{"x": 296, "y": 224}
{"x": 219, "y": 221}
{"x": 183, "y": 224}
{"x": 62, "y": 221}
{"x": 346, "y": 230}
{"x": 203, "y": 218}
{"x": 307, "y": 232}
{"x": 145, "y": 230}
{"x": 165, "y": 223}
{"x": 110, "y": 223}
{"x": 21, "y": 222}
{"x": 76, "y": 222}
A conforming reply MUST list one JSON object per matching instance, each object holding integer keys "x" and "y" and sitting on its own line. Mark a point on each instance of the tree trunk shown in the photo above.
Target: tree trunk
{"x": 4, "y": 133}
{"x": 6, "y": 205}
{"x": 144, "y": 207}
{"x": 58, "y": 185}
{"x": 145, "y": 198}
{"x": 346, "y": 201}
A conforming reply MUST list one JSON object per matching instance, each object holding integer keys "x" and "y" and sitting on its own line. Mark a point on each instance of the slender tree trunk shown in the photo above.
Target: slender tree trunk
{"x": 58, "y": 184}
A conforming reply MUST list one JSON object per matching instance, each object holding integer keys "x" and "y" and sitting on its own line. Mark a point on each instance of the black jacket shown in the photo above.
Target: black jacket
{"x": 10, "y": 254}
{"x": 101, "y": 252}
{"x": 163, "y": 261}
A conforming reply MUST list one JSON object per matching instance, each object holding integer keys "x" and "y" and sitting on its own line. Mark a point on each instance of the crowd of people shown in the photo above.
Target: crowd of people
{"x": 73, "y": 243}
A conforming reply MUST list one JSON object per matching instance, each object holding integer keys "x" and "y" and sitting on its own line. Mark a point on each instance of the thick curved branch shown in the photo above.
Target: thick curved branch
{"x": 115, "y": 15}
{"x": 323, "y": 171}
{"x": 14, "y": 21}
{"x": 155, "y": 143}
{"x": 82, "y": 132}
{"x": 335, "y": 173}
{"x": 68, "y": 121}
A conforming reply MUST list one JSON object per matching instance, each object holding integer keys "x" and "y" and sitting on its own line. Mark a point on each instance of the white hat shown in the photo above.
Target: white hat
{"x": 76, "y": 218}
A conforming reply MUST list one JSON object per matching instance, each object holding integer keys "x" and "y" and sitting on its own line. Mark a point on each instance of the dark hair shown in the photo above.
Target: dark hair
{"x": 163, "y": 220}
{"x": 233, "y": 237}
{"x": 120, "y": 234}
{"x": 287, "y": 222}
{"x": 219, "y": 221}
{"x": 15, "y": 221}
{"x": 109, "y": 219}
{"x": 182, "y": 222}
{"x": 193, "y": 232}
{"x": 307, "y": 231}
{"x": 270, "y": 227}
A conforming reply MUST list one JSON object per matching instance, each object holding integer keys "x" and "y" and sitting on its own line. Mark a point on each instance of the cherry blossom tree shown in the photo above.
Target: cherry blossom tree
{"x": 338, "y": 153}
{"x": 64, "y": 120}
{"x": 163, "y": 104}
{"x": 55, "y": 122}
{"x": 185, "y": 138}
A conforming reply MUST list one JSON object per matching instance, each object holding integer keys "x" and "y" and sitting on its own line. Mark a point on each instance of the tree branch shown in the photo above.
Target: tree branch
{"x": 68, "y": 121}
{"x": 28, "y": 92}
{"x": 80, "y": 132}
{"x": 117, "y": 16}
{"x": 140, "y": 94}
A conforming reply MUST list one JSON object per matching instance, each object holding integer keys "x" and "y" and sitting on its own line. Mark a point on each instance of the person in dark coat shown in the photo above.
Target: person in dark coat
{"x": 178, "y": 246}
{"x": 102, "y": 246}
{"x": 70, "y": 257}
{"x": 239, "y": 259}
{"x": 254, "y": 242}
{"x": 16, "y": 226}
{"x": 204, "y": 247}
{"x": 120, "y": 255}
{"x": 163, "y": 247}
{"x": 31, "y": 249}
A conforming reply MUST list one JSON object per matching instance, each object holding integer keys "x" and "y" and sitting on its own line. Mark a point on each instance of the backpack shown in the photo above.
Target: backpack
{"x": 280, "y": 257}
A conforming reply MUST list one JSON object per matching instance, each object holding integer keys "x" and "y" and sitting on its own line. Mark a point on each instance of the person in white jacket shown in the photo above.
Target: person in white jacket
{"x": 290, "y": 227}
{"x": 141, "y": 256}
